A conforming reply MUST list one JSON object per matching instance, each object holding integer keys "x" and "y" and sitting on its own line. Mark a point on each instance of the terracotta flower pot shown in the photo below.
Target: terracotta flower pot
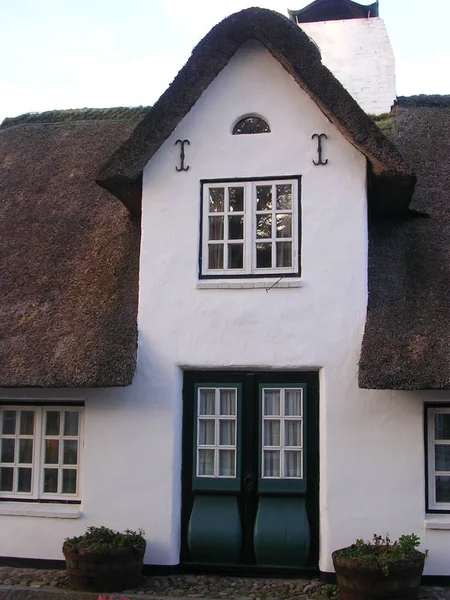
{"x": 365, "y": 580}
{"x": 103, "y": 571}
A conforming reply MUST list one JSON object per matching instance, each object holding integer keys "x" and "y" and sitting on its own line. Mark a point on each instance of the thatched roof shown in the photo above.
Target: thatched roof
{"x": 391, "y": 179}
{"x": 407, "y": 337}
{"x": 332, "y": 10}
{"x": 68, "y": 253}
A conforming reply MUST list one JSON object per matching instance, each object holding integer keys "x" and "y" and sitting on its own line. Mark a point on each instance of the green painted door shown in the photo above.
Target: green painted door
{"x": 250, "y": 471}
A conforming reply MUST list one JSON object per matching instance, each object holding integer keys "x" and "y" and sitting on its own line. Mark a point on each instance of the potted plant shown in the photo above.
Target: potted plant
{"x": 379, "y": 569}
{"x": 104, "y": 560}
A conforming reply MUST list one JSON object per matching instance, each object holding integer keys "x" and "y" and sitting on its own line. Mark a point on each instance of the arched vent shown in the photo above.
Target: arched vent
{"x": 251, "y": 125}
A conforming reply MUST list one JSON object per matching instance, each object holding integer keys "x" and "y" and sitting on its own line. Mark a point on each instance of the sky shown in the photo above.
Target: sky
{"x": 57, "y": 54}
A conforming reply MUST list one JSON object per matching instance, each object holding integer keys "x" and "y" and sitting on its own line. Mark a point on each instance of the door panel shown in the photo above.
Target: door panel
{"x": 250, "y": 470}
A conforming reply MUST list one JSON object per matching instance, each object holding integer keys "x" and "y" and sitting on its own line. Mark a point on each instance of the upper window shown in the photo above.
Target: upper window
{"x": 40, "y": 452}
{"x": 251, "y": 125}
{"x": 438, "y": 443}
{"x": 250, "y": 228}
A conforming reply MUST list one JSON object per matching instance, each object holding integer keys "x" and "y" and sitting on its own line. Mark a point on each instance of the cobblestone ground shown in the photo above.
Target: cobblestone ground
{"x": 203, "y": 586}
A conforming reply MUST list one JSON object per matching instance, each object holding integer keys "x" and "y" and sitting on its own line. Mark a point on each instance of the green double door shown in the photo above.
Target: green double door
{"x": 250, "y": 470}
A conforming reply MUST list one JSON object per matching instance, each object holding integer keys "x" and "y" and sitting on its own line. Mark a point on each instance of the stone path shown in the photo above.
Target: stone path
{"x": 19, "y": 583}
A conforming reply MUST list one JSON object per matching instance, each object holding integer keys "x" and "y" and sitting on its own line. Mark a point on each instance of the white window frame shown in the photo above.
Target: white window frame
{"x": 250, "y": 205}
{"x": 431, "y": 412}
{"x": 38, "y": 456}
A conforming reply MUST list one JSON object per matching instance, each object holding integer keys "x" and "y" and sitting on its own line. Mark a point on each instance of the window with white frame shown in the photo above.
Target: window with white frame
{"x": 250, "y": 228}
{"x": 438, "y": 450}
{"x": 40, "y": 451}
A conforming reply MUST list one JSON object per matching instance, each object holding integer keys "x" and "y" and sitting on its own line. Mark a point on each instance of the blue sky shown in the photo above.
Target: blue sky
{"x": 98, "y": 53}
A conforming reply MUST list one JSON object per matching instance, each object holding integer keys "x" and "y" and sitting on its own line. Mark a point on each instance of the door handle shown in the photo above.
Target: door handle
{"x": 249, "y": 481}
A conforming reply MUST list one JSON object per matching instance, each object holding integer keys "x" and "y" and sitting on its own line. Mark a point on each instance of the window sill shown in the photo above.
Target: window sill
{"x": 38, "y": 509}
{"x": 249, "y": 284}
{"x": 437, "y": 522}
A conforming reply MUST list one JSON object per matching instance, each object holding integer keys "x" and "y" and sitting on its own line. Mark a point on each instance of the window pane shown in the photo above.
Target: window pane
{"x": 263, "y": 256}
{"x": 215, "y": 256}
{"x": 6, "y": 479}
{"x": 443, "y": 488}
{"x": 7, "y": 454}
{"x": 9, "y": 422}
{"x": 271, "y": 463}
{"x": 26, "y": 451}
{"x": 442, "y": 426}
{"x": 284, "y": 197}
{"x": 226, "y": 463}
{"x": 442, "y": 457}
{"x": 264, "y": 226}
{"x": 24, "y": 481}
{"x": 70, "y": 452}
{"x": 272, "y": 432}
{"x": 284, "y": 226}
{"x": 52, "y": 423}
{"x": 271, "y": 402}
{"x": 69, "y": 481}
{"x": 235, "y": 256}
{"x": 216, "y": 196}
{"x": 293, "y": 403}
{"x": 292, "y": 464}
{"x": 236, "y": 227}
{"x": 50, "y": 481}
{"x": 206, "y": 432}
{"x": 227, "y": 402}
{"x": 216, "y": 228}
{"x": 284, "y": 254}
{"x": 236, "y": 195}
{"x": 227, "y": 433}
{"x": 26, "y": 422}
{"x": 292, "y": 433}
{"x": 263, "y": 197}
{"x": 206, "y": 463}
{"x": 51, "y": 452}
{"x": 207, "y": 402}
{"x": 71, "y": 422}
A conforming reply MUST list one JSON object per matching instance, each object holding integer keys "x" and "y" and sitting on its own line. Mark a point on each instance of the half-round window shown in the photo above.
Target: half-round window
{"x": 251, "y": 125}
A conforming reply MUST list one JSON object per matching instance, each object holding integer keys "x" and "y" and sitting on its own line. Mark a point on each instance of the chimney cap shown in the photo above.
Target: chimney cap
{"x": 333, "y": 10}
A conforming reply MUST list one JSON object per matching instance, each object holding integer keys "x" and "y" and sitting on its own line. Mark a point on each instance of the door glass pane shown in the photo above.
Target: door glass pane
{"x": 284, "y": 226}
{"x": 9, "y": 422}
{"x": 26, "y": 422}
{"x": 292, "y": 433}
{"x": 52, "y": 422}
{"x": 442, "y": 426}
{"x": 264, "y": 226}
{"x": 292, "y": 463}
{"x": 226, "y": 463}
{"x": 206, "y": 463}
{"x": 443, "y": 488}
{"x": 216, "y": 196}
{"x": 271, "y": 402}
{"x": 284, "y": 254}
{"x": 227, "y": 433}
{"x": 235, "y": 256}
{"x": 236, "y": 195}
{"x": 24, "y": 480}
{"x": 263, "y": 197}
{"x": 263, "y": 256}
{"x": 215, "y": 256}
{"x": 7, "y": 454}
{"x": 26, "y": 451}
{"x": 71, "y": 422}
{"x": 442, "y": 457}
{"x": 271, "y": 463}
{"x": 227, "y": 402}
{"x": 206, "y": 432}
{"x": 284, "y": 197}
{"x": 293, "y": 403}
{"x": 272, "y": 433}
{"x": 207, "y": 402}
{"x": 235, "y": 227}
{"x": 50, "y": 481}
{"x": 6, "y": 479}
{"x": 70, "y": 452}
{"x": 69, "y": 481}
{"x": 216, "y": 228}
{"x": 51, "y": 452}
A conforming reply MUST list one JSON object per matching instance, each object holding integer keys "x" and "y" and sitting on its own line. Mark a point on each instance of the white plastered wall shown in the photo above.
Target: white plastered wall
{"x": 358, "y": 53}
{"x": 371, "y": 443}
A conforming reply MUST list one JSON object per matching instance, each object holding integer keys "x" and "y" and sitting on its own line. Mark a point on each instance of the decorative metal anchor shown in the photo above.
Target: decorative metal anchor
{"x": 182, "y": 154}
{"x": 319, "y": 137}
